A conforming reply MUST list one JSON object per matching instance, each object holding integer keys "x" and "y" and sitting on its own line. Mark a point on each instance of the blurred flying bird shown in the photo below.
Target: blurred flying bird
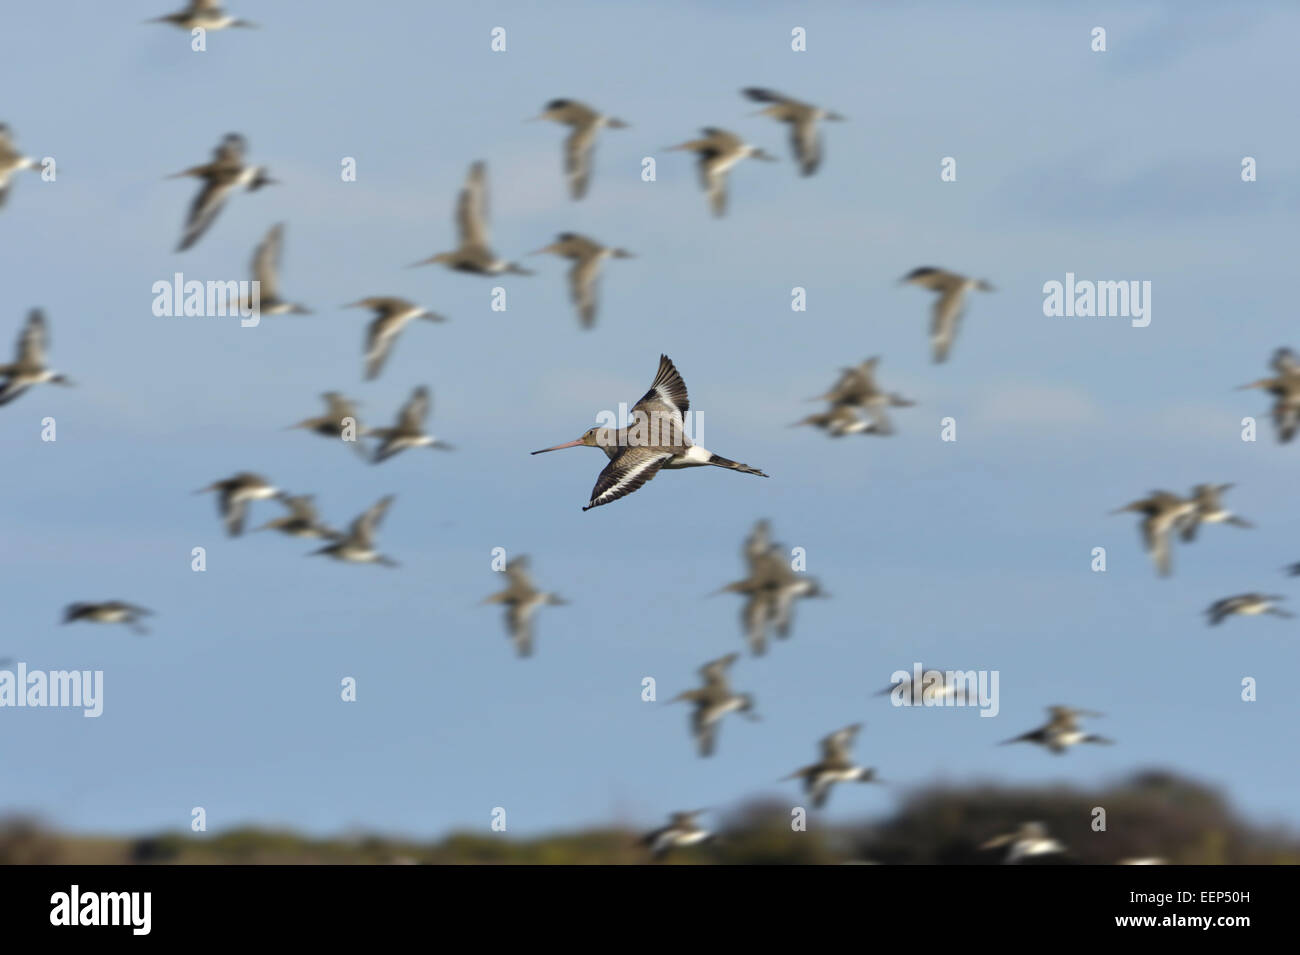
{"x": 11, "y": 161}
{"x": 339, "y": 421}
{"x": 226, "y": 173}
{"x": 473, "y": 254}
{"x": 111, "y": 611}
{"x": 587, "y": 256}
{"x": 235, "y": 493}
{"x": 1248, "y": 605}
{"x": 948, "y": 308}
{"x": 856, "y": 388}
{"x": 1285, "y": 389}
{"x": 759, "y": 607}
{"x": 681, "y": 831}
{"x": 1210, "y": 510}
{"x": 522, "y": 600}
{"x": 805, "y": 140}
{"x": 657, "y": 439}
{"x": 585, "y": 123}
{"x": 408, "y": 430}
{"x": 202, "y": 15}
{"x": 835, "y": 766}
{"x": 784, "y": 587}
{"x": 358, "y": 545}
{"x": 713, "y": 701}
{"x": 391, "y": 316}
{"x": 1061, "y": 731}
{"x": 839, "y": 421}
{"x": 1162, "y": 512}
{"x": 718, "y": 151}
{"x": 1031, "y": 839}
{"x": 266, "y": 272}
{"x": 855, "y": 384}
{"x": 301, "y": 521}
{"x": 28, "y": 367}
{"x": 934, "y": 686}
{"x": 770, "y": 589}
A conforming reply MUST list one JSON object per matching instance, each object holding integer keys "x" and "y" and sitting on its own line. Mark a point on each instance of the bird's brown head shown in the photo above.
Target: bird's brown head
{"x": 555, "y": 110}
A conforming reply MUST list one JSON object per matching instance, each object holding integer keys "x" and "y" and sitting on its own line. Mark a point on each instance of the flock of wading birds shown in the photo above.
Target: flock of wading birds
{"x": 855, "y": 405}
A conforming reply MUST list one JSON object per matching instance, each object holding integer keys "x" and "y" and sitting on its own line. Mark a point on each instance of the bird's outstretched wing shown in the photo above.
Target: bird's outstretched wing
{"x": 472, "y": 207}
{"x": 625, "y": 474}
{"x": 266, "y": 262}
{"x": 203, "y": 210}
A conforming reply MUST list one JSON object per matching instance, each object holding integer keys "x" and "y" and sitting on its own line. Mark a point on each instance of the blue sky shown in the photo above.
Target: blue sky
{"x": 973, "y": 554}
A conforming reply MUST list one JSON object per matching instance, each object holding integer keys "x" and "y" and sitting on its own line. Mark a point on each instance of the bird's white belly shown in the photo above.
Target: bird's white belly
{"x": 719, "y": 710}
{"x": 1039, "y": 847}
{"x": 839, "y": 775}
{"x": 256, "y": 494}
{"x": 689, "y": 838}
{"x": 720, "y": 166}
{"x": 694, "y": 457}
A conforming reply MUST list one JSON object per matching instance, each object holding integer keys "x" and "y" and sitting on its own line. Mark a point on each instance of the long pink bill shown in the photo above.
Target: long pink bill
{"x": 560, "y": 447}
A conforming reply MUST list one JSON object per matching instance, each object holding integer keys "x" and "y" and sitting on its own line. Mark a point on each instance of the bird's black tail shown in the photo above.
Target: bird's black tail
{"x": 722, "y": 462}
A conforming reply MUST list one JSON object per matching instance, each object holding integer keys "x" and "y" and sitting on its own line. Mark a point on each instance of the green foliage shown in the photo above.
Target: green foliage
{"x": 1150, "y": 814}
